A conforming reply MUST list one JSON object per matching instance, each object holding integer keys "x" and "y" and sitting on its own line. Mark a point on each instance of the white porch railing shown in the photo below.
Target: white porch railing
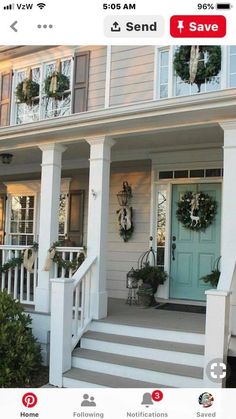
{"x": 218, "y": 329}
{"x": 71, "y": 314}
{"x": 69, "y": 254}
{"x": 17, "y": 281}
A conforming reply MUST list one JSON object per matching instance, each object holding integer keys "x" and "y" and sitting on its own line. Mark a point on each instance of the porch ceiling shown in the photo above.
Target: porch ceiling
{"x": 147, "y": 117}
{"x": 127, "y": 147}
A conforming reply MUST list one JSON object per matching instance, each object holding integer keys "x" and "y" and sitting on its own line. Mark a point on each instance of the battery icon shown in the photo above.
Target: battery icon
{"x": 223, "y": 6}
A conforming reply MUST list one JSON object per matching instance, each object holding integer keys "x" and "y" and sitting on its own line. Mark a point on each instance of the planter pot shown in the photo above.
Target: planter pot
{"x": 145, "y": 300}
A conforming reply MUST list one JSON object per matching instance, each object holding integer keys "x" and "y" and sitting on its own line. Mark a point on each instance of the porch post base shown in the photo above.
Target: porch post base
{"x": 42, "y": 299}
{"x": 99, "y": 305}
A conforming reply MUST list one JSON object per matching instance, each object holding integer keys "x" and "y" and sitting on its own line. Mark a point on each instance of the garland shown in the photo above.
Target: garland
{"x": 56, "y": 257}
{"x": 16, "y": 262}
{"x": 191, "y": 65}
{"x": 196, "y": 211}
{"x": 56, "y": 84}
{"x": 26, "y": 91}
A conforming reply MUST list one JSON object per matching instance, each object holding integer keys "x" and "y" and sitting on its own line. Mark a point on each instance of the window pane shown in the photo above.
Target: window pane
{"x": 164, "y": 58}
{"x": 233, "y": 49}
{"x": 22, "y": 216}
{"x": 233, "y": 80}
{"x": 161, "y": 227}
{"x": 164, "y": 90}
{"x": 233, "y": 64}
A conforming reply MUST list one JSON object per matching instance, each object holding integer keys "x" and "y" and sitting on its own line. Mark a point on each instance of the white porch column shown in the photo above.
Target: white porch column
{"x": 98, "y": 212}
{"x": 228, "y": 249}
{"x": 49, "y": 213}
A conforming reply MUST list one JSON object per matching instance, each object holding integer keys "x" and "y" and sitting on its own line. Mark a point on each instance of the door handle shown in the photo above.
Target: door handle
{"x": 173, "y": 250}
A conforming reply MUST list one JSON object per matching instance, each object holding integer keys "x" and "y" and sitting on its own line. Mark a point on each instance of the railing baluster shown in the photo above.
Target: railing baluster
{"x": 22, "y": 283}
{"x": 15, "y": 283}
{"x": 3, "y": 274}
{"x": 9, "y": 273}
{"x": 27, "y": 286}
{"x": 70, "y": 271}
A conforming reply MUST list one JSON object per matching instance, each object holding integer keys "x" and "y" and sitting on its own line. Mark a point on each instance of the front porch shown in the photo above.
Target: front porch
{"x": 174, "y": 150}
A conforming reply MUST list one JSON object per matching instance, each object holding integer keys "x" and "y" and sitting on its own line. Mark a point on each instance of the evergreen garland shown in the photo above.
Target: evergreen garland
{"x": 205, "y": 71}
{"x": 207, "y": 209}
{"x": 26, "y": 91}
{"x": 63, "y": 84}
{"x": 64, "y": 263}
{"x": 15, "y": 262}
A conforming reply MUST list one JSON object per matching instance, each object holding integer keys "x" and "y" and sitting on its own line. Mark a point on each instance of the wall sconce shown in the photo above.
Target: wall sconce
{"x": 125, "y": 195}
{"x": 6, "y": 158}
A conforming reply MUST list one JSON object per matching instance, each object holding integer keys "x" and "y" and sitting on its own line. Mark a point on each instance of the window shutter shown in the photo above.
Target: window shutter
{"x": 76, "y": 217}
{"x": 2, "y": 217}
{"x": 81, "y": 81}
{"x": 5, "y": 98}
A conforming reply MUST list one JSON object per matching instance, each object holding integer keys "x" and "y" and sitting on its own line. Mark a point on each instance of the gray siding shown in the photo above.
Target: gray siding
{"x": 122, "y": 256}
{"x": 97, "y": 78}
{"x": 132, "y": 74}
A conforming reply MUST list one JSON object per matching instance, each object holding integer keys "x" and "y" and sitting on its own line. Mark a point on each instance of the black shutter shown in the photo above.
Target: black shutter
{"x": 76, "y": 217}
{"x": 2, "y": 217}
{"x": 5, "y": 98}
{"x": 81, "y": 81}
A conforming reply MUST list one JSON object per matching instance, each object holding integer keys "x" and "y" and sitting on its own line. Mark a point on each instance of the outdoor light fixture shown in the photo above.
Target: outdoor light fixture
{"x": 6, "y": 158}
{"x": 124, "y": 195}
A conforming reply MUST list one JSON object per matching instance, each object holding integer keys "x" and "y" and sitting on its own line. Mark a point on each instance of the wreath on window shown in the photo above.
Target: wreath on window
{"x": 196, "y": 211}
{"x": 56, "y": 84}
{"x": 26, "y": 91}
{"x": 197, "y": 64}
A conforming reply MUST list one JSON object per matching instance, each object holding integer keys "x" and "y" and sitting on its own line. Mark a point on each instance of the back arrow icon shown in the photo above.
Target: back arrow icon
{"x": 13, "y": 26}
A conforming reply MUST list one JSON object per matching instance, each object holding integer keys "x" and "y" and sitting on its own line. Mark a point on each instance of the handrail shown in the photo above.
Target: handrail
{"x": 13, "y": 247}
{"x": 69, "y": 249}
{"x": 83, "y": 269}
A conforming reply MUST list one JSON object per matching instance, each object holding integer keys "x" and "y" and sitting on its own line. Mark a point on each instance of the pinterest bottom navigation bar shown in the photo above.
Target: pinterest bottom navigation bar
{"x": 117, "y": 403}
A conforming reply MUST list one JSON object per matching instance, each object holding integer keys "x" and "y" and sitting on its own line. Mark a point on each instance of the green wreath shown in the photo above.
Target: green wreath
{"x": 26, "y": 91}
{"x": 196, "y": 211}
{"x": 62, "y": 84}
{"x": 205, "y": 70}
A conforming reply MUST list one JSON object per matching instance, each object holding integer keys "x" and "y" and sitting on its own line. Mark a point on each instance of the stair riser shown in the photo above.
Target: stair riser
{"x": 72, "y": 383}
{"x": 136, "y": 373}
{"x": 145, "y": 353}
{"x": 143, "y": 332}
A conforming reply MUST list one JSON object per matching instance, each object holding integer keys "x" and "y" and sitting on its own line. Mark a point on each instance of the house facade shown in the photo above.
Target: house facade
{"x": 125, "y": 116}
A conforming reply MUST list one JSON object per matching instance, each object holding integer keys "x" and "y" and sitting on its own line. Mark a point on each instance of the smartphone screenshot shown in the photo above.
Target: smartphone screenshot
{"x": 117, "y": 209}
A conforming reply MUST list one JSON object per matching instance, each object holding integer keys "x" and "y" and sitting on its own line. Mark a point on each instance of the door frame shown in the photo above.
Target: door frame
{"x": 167, "y": 185}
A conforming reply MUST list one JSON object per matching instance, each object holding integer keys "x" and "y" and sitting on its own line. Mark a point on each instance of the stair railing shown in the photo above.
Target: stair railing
{"x": 218, "y": 332}
{"x": 71, "y": 313}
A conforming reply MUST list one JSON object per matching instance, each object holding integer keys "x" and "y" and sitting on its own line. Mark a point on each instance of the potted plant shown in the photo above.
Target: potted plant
{"x": 149, "y": 277}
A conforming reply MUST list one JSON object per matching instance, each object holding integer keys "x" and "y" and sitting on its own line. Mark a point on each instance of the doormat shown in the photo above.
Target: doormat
{"x": 185, "y": 308}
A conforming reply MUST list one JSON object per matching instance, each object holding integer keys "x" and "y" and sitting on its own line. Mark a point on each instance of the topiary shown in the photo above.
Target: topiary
{"x": 19, "y": 351}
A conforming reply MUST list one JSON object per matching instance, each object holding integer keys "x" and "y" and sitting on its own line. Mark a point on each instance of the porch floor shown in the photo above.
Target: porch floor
{"x": 121, "y": 313}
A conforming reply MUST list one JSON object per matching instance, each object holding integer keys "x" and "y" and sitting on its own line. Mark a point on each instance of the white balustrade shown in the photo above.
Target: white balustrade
{"x": 18, "y": 281}
{"x": 68, "y": 254}
{"x": 71, "y": 313}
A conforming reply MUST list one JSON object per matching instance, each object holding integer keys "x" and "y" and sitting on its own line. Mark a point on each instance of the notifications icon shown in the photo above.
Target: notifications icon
{"x": 29, "y": 400}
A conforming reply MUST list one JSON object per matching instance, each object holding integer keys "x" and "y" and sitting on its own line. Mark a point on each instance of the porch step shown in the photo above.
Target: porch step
{"x": 175, "y": 352}
{"x": 146, "y": 370}
{"x": 192, "y": 338}
{"x": 79, "y": 378}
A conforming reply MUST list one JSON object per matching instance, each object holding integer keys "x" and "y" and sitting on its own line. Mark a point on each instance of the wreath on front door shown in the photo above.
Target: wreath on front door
{"x": 196, "y": 211}
{"x": 197, "y": 64}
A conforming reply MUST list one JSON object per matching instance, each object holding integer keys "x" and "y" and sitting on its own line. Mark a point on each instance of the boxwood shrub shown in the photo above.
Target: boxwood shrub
{"x": 20, "y": 357}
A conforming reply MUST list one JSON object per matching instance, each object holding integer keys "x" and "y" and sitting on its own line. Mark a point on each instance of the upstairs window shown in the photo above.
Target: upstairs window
{"x": 42, "y": 106}
{"x": 170, "y": 85}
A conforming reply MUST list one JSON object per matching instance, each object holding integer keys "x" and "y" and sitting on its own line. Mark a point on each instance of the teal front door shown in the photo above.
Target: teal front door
{"x": 195, "y": 252}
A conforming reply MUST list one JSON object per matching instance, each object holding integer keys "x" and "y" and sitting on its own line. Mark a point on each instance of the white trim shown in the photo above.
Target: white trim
{"x": 108, "y": 76}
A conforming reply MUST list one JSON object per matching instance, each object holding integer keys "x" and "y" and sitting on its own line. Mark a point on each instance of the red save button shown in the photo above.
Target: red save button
{"x": 185, "y": 26}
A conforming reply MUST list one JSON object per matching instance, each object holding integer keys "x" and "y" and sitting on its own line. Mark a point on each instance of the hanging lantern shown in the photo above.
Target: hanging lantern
{"x": 125, "y": 195}
{"x": 131, "y": 281}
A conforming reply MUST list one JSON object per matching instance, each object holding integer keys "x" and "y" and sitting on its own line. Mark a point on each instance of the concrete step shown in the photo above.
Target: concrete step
{"x": 148, "y": 333}
{"x": 78, "y": 378}
{"x": 175, "y": 352}
{"x": 147, "y": 370}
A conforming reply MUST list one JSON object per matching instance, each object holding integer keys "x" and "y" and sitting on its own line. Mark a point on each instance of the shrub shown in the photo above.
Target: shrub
{"x": 20, "y": 356}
